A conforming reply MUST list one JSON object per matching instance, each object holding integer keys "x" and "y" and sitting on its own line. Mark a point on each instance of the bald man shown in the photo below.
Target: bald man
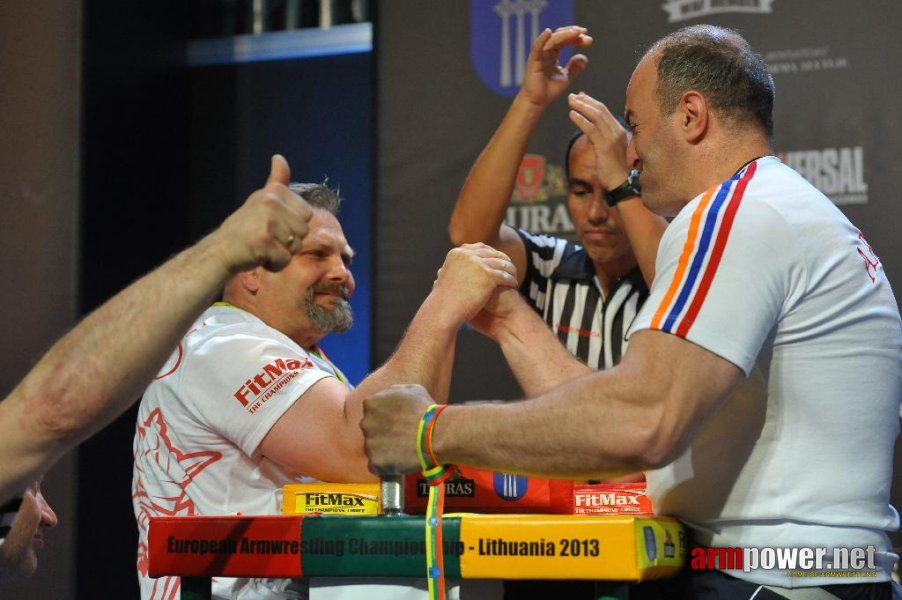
{"x": 761, "y": 388}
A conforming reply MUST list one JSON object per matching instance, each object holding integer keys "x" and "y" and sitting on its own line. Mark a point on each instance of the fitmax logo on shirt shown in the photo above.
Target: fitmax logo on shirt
{"x": 262, "y": 386}
{"x": 837, "y": 172}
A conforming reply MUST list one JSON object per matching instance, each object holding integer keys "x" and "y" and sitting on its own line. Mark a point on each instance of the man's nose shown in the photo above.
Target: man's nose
{"x": 48, "y": 516}
{"x": 632, "y": 156}
{"x": 599, "y": 210}
{"x": 339, "y": 270}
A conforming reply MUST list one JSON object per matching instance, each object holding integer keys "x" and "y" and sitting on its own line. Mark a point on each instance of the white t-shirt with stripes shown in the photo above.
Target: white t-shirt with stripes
{"x": 764, "y": 271}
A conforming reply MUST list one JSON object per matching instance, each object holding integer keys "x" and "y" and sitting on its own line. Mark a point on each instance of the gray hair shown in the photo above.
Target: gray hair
{"x": 719, "y": 63}
{"x": 318, "y": 195}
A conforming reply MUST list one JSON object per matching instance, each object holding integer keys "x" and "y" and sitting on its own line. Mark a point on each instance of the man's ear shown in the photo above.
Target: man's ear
{"x": 250, "y": 280}
{"x": 694, "y": 116}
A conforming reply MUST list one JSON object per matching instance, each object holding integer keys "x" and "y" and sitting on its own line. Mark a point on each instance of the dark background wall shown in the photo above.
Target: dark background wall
{"x": 134, "y": 209}
{"x": 40, "y": 49}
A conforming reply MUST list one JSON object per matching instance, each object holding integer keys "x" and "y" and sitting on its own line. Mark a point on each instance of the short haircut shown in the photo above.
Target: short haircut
{"x": 318, "y": 195}
{"x": 719, "y": 63}
{"x": 576, "y": 135}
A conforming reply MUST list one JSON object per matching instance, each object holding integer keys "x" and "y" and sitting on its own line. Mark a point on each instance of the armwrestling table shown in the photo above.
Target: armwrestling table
{"x": 610, "y": 549}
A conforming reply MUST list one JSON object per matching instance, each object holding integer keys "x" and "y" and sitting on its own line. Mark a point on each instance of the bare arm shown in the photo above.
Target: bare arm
{"x": 100, "y": 367}
{"x": 641, "y": 414}
{"x": 609, "y": 140}
{"x": 536, "y": 357}
{"x": 644, "y": 230}
{"x": 479, "y": 213}
{"x": 320, "y": 435}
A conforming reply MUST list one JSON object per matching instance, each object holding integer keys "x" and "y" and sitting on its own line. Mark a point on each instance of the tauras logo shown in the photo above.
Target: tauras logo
{"x": 272, "y": 373}
{"x": 609, "y": 499}
{"x": 681, "y": 10}
{"x": 539, "y": 199}
{"x": 454, "y": 488}
{"x": 837, "y": 172}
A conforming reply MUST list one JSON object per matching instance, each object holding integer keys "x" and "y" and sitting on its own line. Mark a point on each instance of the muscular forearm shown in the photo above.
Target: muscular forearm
{"x": 561, "y": 433}
{"x": 636, "y": 416}
{"x": 100, "y": 367}
{"x": 485, "y": 195}
{"x": 424, "y": 356}
{"x": 536, "y": 357}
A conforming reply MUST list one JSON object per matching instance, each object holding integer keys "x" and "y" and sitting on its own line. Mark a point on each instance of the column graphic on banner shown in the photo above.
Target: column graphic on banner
{"x": 502, "y": 32}
{"x": 518, "y": 9}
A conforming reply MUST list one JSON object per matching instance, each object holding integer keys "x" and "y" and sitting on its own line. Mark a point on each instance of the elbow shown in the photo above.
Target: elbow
{"x": 350, "y": 467}
{"x": 54, "y": 417}
{"x": 464, "y": 231}
{"x": 660, "y": 440}
{"x": 658, "y": 454}
{"x": 458, "y": 233}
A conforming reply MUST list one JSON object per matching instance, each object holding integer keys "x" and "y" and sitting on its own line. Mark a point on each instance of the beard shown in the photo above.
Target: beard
{"x": 331, "y": 320}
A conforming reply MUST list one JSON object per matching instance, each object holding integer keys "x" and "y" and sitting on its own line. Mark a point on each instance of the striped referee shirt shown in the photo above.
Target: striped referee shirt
{"x": 560, "y": 283}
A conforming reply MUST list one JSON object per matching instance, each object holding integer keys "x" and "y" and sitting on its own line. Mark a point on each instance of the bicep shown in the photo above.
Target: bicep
{"x": 685, "y": 385}
{"x": 313, "y": 437}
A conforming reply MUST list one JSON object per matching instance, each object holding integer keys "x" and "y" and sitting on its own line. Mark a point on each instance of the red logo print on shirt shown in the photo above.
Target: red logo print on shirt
{"x": 173, "y": 471}
{"x": 871, "y": 262}
{"x": 265, "y": 384}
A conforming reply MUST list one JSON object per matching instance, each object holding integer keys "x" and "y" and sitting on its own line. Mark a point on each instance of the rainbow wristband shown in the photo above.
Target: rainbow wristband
{"x": 435, "y": 475}
{"x": 431, "y": 468}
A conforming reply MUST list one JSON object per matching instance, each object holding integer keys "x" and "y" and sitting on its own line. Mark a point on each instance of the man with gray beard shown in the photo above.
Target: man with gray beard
{"x": 248, "y": 402}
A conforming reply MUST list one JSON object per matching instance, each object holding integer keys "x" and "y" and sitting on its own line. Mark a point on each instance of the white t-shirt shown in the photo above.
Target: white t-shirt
{"x": 202, "y": 420}
{"x": 767, "y": 273}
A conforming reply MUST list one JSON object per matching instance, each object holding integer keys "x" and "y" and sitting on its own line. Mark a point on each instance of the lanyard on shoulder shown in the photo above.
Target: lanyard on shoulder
{"x": 318, "y": 352}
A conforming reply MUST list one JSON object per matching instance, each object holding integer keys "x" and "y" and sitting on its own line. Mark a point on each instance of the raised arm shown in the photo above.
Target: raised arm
{"x": 609, "y": 140}
{"x": 479, "y": 213}
{"x": 100, "y": 367}
{"x": 320, "y": 434}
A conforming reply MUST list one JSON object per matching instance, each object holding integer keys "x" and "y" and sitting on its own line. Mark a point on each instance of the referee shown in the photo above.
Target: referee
{"x": 588, "y": 294}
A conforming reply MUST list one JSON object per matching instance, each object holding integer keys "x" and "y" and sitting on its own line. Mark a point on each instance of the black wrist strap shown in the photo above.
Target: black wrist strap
{"x": 627, "y": 189}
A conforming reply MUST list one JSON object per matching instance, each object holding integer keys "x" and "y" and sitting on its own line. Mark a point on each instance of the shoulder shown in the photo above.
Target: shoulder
{"x": 227, "y": 340}
{"x": 226, "y": 326}
{"x": 750, "y": 204}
